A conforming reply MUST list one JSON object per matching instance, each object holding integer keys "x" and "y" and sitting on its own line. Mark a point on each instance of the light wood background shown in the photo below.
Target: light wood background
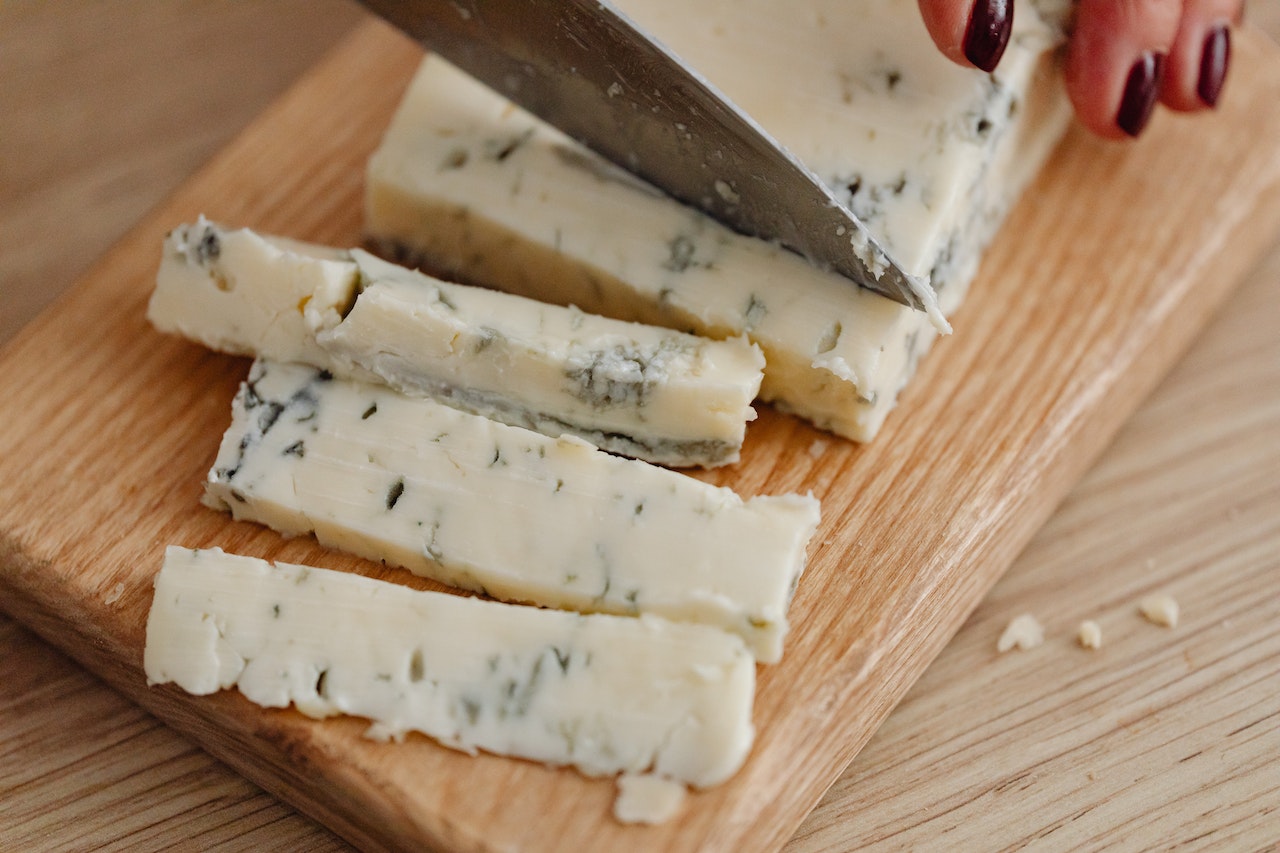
{"x": 1160, "y": 736}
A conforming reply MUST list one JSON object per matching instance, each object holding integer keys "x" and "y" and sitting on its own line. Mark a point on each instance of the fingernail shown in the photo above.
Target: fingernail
{"x": 989, "y": 26}
{"x": 1213, "y": 64}
{"x": 1141, "y": 91}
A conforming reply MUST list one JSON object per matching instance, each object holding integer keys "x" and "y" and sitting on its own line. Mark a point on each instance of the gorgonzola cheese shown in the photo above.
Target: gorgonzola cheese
{"x": 640, "y": 390}
{"x": 604, "y": 694}
{"x": 929, "y": 154}
{"x": 506, "y": 511}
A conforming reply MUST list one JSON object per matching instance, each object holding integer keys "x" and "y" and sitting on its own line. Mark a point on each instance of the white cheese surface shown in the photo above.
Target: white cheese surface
{"x": 929, "y": 154}
{"x": 860, "y": 94}
{"x": 640, "y": 390}
{"x": 505, "y": 511}
{"x": 605, "y": 694}
{"x": 237, "y": 292}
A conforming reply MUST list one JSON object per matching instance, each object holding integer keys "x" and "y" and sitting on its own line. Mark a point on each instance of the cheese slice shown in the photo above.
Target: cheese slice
{"x": 640, "y": 390}
{"x": 929, "y": 154}
{"x": 505, "y": 511}
{"x": 604, "y": 694}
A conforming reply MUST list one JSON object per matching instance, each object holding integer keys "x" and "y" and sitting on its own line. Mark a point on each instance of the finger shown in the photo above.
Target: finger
{"x": 1115, "y": 62}
{"x": 969, "y": 32}
{"x": 1197, "y": 66}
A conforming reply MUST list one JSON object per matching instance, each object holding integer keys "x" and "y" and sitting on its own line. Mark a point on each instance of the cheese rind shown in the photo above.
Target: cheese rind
{"x": 640, "y": 390}
{"x": 930, "y": 155}
{"x": 605, "y": 694}
{"x": 506, "y": 511}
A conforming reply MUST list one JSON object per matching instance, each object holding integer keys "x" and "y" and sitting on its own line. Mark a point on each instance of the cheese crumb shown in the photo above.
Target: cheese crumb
{"x": 818, "y": 447}
{"x": 1089, "y": 634}
{"x": 1024, "y": 632}
{"x": 647, "y": 798}
{"x": 115, "y": 595}
{"x": 1160, "y": 609}
{"x": 383, "y": 733}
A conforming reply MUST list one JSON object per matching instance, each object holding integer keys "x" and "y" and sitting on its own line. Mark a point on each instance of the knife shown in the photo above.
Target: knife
{"x": 583, "y": 67}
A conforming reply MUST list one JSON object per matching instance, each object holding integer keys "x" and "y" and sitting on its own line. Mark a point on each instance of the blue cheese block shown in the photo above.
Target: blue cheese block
{"x": 604, "y": 694}
{"x": 644, "y": 391}
{"x": 505, "y": 511}
{"x": 929, "y": 154}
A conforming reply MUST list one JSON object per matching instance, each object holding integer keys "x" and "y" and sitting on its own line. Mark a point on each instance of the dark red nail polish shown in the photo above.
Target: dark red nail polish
{"x": 1214, "y": 59}
{"x": 988, "y": 33}
{"x": 1141, "y": 91}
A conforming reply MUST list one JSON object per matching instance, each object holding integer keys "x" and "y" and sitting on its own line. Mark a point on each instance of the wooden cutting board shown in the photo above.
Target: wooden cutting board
{"x": 1102, "y": 276}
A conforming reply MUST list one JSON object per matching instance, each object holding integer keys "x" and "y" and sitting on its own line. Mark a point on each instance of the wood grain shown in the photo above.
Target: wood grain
{"x": 796, "y": 445}
{"x": 71, "y": 757}
{"x": 78, "y": 137}
{"x": 1161, "y": 738}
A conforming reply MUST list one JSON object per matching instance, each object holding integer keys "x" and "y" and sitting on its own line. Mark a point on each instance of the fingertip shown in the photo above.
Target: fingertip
{"x": 946, "y": 21}
{"x": 1116, "y": 62}
{"x": 970, "y": 32}
{"x": 1090, "y": 84}
{"x": 1201, "y": 55}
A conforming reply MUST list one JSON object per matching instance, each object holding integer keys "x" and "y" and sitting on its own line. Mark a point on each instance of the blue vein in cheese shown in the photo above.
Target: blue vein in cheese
{"x": 505, "y": 511}
{"x": 604, "y": 694}
{"x": 639, "y": 390}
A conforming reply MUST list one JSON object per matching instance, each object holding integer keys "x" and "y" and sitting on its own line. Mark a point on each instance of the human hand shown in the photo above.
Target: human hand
{"x": 1124, "y": 56}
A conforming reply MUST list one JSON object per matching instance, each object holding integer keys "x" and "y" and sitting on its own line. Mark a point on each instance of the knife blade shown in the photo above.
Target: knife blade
{"x": 583, "y": 67}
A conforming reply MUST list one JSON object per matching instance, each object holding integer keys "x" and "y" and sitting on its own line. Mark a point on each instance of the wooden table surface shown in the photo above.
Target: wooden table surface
{"x": 1161, "y": 736}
